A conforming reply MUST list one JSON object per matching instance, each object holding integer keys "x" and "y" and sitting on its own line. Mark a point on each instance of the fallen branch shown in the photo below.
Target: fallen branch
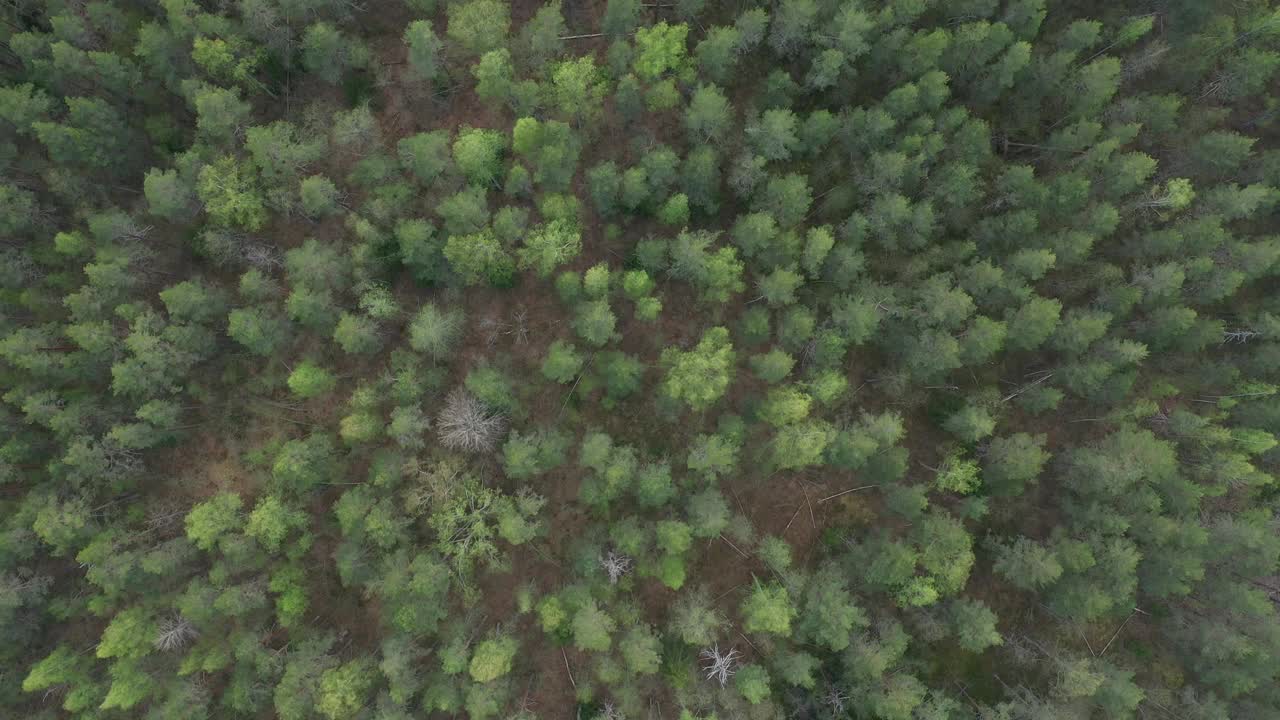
{"x": 965, "y": 692}
{"x": 739, "y": 501}
{"x": 568, "y": 395}
{"x": 284, "y": 419}
{"x": 806, "y": 502}
{"x": 843, "y": 492}
{"x": 1116, "y": 634}
{"x": 735, "y": 547}
{"x": 568, "y": 669}
{"x": 1025, "y": 388}
{"x": 726, "y": 592}
{"x": 794, "y": 515}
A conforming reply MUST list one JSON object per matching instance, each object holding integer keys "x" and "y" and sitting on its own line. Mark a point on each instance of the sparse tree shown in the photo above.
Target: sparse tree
{"x": 175, "y": 633}
{"x": 615, "y": 566}
{"x": 720, "y": 666}
{"x": 467, "y": 424}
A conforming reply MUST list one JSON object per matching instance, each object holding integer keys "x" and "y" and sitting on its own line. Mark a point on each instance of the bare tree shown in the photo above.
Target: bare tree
{"x": 467, "y": 424}
{"x": 616, "y": 565}
{"x": 520, "y": 325}
{"x": 234, "y": 248}
{"x": 1143, "y": 61}
{"x": 433, "y": 483}
{"x": 16, "y": 589}
{"x": 260, "y": 256}
{"x": 720, "y": 666}
{"x": 175, "y": 633}
{"x": 1239, "y": 336}
{"x": 128, "y": 230}
{"x": 518, "y": 329}
{"x": 835, "y": 698}
{"x": 164, "y": 516}
{"x": 491, "y": 327}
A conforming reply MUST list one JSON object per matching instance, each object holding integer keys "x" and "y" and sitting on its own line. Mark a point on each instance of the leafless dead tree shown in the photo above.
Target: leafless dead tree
{"x": 810, "y": 353}
{"x": 125, "y": 229}
{"x": 21, "y": 585}
{"x": 520, "y": 325}
{"x": 1143, "y": 62}
{"x": 616, "y": 565}
{"x": 1239, "y": 336}
{"x": 164, "y": 516}
{"x": 491, "y": 327}
{"x": 233, "y": 248}
{"x": 467, "y": 424}
{"x": 175, "y": 633}
{"x": 21, "y": 265}
{"x": 260, "y": 256}
{"x": 720, "y": 666}
{"x": 432, "y": 483}
{"x": 835, "y": 698}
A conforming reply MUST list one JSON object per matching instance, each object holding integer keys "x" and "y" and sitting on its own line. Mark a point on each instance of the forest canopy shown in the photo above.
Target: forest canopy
{"x": 622, "y": 360}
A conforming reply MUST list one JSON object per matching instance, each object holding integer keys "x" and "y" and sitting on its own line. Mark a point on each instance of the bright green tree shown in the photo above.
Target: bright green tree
{"x": 230, "y": 194}
{"x": 478, "y": 154}
{"x": 344, "y": 690}
{"x": 699, "y": 377}
{"x": 660, "y": 48}
{"x": 592, "y": 628}
{"x": 768, "y": 609}
{"x": 752, "y": 681}
{"x": 493, "y": 658}
{"x": 309, "y": 380}
{"x": 562, "y": 363}
{"x": 549, "y": 246}
{"x": 480, "y": 257}
{"x": 478, "y": 26}
{"x": 210, "y": 521}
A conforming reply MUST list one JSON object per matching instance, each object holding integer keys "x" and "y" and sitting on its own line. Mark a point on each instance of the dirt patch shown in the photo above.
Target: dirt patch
{"x": 550, "y": 689}
{"x": 205, "y": 464}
